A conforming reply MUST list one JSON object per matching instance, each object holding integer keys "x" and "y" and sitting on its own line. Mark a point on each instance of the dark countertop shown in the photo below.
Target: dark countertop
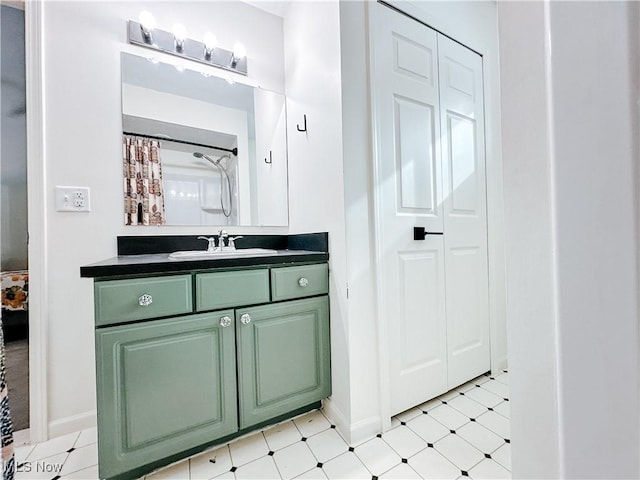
{"x": 140, "y": 255}
{"x": 161, "y": 263}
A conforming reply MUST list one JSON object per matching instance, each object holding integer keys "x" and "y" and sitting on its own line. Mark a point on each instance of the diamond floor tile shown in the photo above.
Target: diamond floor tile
{"x": 377, "y": 456}
{"x": 404, "y": 441}
{"x": 459, "y": 452}
{"x": 327, "y": 445}
{"x": 429, "y": 463}
{"x": 418, "y": 445}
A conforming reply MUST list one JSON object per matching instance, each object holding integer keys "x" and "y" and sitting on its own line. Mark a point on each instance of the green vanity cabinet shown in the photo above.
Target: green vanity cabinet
{"x": 283, "y": 357}
{"x": 164, "y": 387}
{"x": 185, "y": 360}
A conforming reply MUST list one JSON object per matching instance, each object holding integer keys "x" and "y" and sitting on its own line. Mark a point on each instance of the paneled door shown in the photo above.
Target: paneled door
{"x": 164, "y": 387}
{"x": 283, "y": 358}
{"x": 465, "y": 211}
{"x": 429, "y": 172}
{"x": 408, "y": 175}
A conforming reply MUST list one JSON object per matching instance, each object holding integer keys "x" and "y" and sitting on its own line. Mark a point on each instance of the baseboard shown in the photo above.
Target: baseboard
{"x": 334, "y": 414}
{"x": 355, "y": 433}
{"x": 499, "y": 366}
{"x": 365, "y": 430}
{"x": 71, "y": 424}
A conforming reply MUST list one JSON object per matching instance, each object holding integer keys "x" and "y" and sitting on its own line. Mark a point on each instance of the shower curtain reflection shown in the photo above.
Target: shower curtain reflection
{"x": 143, "y": 192}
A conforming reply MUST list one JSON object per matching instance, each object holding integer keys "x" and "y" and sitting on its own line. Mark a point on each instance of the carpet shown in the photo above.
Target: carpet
{"x": 17, "y": 365}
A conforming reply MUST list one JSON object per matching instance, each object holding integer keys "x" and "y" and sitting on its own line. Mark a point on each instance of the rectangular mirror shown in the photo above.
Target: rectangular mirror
{"x": 199, "y": 150}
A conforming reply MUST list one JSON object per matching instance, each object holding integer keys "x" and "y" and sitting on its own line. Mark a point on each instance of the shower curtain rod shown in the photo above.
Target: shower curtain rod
{"x": 169, "y": 139}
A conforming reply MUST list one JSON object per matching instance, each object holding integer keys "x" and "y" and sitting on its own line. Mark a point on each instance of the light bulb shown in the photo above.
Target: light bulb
{"x": 179, "y": 34}
{"x": 239, "y": 52}
{"x": 147, "y": 23}
{"x": 210, "y": 42}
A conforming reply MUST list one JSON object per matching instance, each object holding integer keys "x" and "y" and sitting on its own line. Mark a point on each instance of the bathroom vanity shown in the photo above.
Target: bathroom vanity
{"x": 193, "y": 353}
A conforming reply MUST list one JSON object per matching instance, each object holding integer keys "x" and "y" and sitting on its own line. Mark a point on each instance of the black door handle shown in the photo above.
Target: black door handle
{"x": 420, "y": 234}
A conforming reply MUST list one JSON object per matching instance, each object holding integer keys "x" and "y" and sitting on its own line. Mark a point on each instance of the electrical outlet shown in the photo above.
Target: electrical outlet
{"x": 72, "y": 199}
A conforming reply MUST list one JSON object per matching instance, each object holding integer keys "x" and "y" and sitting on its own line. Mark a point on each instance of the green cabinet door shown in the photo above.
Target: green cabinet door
{"x": 164, "y": 387}
{"x": 283, "y": 358}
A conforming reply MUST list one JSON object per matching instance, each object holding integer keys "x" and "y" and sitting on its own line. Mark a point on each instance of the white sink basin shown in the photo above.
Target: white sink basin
{"x": 241, "y": 252}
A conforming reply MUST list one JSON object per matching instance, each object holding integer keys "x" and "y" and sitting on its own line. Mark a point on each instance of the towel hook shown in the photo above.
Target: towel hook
{"x": 304, "y": 128}
{"x": 270, "y": 161}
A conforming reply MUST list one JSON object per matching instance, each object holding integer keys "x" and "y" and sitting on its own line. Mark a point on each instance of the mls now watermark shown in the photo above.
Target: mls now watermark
{"x": 39, "y": 467}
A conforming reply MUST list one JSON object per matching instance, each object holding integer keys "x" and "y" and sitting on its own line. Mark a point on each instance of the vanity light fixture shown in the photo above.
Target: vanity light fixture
{"x": 145, "y": 34}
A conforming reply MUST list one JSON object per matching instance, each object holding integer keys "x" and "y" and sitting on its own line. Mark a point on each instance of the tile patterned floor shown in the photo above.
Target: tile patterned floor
{"x": 464, "y": 433}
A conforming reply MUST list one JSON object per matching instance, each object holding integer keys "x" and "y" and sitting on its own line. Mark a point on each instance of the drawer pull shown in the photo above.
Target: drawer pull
{"x": 225, "y": 321}
{"x": 303, "y": 282}
{"x": 145, "y": 300}
{"x": 245, "y": 318}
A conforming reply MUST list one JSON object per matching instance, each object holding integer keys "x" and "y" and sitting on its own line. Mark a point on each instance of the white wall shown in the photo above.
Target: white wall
{"x": 312, "y": 64}
{"x": 595, "y": 109}
{"x": 570, "y": 117}
{"x": 530, "y": 249}
{"x": 365, "y": 357}
{"x": 83, "y": 41}
{"x": 475, "y": 24}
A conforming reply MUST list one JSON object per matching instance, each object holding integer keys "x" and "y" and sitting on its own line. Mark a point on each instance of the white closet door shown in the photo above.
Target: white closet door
{"x": 408, "y": 178}
{"x": 465, "y": 221}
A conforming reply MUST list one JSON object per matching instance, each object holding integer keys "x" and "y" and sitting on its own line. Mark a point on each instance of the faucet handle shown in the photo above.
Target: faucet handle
{"x": 212, "y": 243}
{"x": 232, "y": 241}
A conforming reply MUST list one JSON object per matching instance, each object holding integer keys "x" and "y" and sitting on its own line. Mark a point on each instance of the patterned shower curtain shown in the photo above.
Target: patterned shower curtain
{"x": 6, "y": 427}
{"x": 143, "y": 196}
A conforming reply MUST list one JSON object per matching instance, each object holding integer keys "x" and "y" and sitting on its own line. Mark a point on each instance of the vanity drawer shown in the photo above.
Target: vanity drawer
{"x": 231, "y": 289}
{"x": 141, "y": 298}
{"x": 297, "y": 282}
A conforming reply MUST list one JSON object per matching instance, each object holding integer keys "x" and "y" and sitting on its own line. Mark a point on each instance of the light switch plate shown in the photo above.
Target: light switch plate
{"x": 72, "y": 199}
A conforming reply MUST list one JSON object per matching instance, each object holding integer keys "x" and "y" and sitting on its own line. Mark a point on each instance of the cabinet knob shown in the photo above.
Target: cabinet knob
{"x": 145, "y": 300}
{"x": 245, "y": 318}
{"x": 225, "y": 321}
{"x": 303, "y": 282}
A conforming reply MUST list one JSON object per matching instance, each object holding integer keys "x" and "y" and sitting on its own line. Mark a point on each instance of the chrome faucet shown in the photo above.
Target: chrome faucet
{"x": 212, "y": 243}
{"x": 222, "y": 235}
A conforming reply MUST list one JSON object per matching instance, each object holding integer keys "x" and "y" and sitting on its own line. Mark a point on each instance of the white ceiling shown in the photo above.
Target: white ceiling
{"x": 275, "y": 7}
